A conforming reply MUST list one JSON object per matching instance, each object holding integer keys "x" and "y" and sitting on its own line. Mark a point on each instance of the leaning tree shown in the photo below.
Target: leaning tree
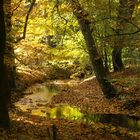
{"x": 85, "y": 22}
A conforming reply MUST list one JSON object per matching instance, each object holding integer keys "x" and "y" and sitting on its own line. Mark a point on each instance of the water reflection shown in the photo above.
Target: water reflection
{"x": 64, "y": 111}
{"x": 59, "y": 112}
{"x": 130, "y": 122}
{"x": 41, "y": 95}
{"x": 36, "y": 104}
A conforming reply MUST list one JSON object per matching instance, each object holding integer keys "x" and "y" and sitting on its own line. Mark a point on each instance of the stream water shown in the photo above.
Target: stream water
{"x": 36, "y": 104}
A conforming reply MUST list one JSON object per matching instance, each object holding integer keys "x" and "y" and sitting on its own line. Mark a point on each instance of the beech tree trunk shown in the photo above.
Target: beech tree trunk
{"x": 100, "y": 72}
{"x": 125, "y": 11}
{"x": 4, "y": 87}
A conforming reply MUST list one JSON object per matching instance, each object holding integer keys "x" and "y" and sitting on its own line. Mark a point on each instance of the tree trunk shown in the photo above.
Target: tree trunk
{"x": 4, "y": 87}
{"x": 106, "y": 65}
{"x": 125, "y": 11}
{"x": 9, "y": 50}
{"x": 100, "y": 72}
{"x": 117, "y": 59}
{"x": 4, "y": 98}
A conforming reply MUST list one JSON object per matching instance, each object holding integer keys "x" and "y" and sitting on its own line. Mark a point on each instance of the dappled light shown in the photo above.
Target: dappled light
{"x": 69, "y": 70}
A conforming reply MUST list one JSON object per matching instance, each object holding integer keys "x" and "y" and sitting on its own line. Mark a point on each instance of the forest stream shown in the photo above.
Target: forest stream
{"x": 40, "y": 95}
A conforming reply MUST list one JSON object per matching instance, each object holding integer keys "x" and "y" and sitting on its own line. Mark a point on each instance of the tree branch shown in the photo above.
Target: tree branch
{"x": 123, "y": 34}
{"x": 26, "y": 22}
{"x": 19, "y": 3}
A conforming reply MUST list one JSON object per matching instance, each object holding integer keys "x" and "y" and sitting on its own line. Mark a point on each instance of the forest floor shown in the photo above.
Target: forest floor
{"x": 87, "y": 96}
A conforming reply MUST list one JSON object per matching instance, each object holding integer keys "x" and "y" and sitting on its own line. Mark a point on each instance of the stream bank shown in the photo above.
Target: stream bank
{"x": 81, "y": 106}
